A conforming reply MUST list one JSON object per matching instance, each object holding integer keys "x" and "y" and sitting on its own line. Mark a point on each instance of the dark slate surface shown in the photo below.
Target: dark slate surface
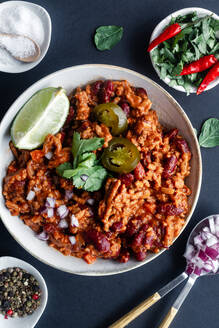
{"x": 83, "y": 302}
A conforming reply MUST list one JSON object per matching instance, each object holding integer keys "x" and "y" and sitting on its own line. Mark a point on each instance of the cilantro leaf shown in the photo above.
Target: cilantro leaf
{"x": 81, "y": 146}
{"x": 86, "y": 172}
{"x": 62, "y": 167}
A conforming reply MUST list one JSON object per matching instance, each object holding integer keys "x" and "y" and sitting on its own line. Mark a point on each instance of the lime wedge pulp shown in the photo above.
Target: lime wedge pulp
{"x": 44, "y": 113}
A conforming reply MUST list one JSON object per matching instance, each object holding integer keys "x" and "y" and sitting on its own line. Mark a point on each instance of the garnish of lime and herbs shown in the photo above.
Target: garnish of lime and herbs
{"x": 106, "y": 37}
{"x": 44, "y": 113}
{"x": 192, "y": 43}
{"x": 85, "y": 171}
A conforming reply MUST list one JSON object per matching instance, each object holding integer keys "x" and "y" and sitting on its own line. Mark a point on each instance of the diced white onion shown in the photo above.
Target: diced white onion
{"x": 62, "y": 211}
{"x": 68, "y": 194}
{"x": 212, "y": 225}
{"x": 74, "y": 221}
{"x": 50, "y": 212}
{"x": 84, "y": 177}
{"x": 43, "y": 236}
{"x": 50, "y": 202}
{"x": 63, "y": 224}
{"x": 36, "y": 189}
{"x": 91, "y": 201}
{"x": 72, "y": 240}
{"x": 30, "y": 195}
{"x": 49, "y": 155}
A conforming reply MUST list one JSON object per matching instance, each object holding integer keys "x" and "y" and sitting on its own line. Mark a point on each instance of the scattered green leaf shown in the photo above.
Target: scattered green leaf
{"x": 106, "y": 37}
{"x": 209, "y": 136}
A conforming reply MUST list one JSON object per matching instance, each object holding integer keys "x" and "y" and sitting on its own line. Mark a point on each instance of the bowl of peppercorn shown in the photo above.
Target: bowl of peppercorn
{"x": 23, "y": 294}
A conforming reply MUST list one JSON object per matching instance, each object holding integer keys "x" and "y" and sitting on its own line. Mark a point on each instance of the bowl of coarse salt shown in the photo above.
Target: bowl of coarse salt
{"x": 26, "y": 19}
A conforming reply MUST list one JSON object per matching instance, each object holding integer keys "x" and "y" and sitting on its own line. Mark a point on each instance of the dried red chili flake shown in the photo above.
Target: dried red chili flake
{"x": 6, "y": 317}
{"x": 9, "y": 312}
{"x": 35, "y": 297}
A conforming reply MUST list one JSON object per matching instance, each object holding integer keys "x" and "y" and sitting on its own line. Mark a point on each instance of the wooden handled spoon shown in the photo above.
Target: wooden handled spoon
{"x": 20, "y": 47}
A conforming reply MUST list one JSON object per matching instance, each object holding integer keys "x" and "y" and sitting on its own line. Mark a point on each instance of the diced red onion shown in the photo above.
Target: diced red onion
{"x": 212, "y": 225}
{"x": 74, "y": 221}
{"x": 72, "y": 240}
{"x": 91, "y": 201}
{"x": 30, "y": 195}
{"x": 68, "y": 194}
{"x": 62, "y": 211}
{"x": 49, "y": 155}
{"x": 63, "y": 224}
{"x": 50, "y": 212}
{"x": 43, "y": 236}
{"x": 84, "y": 177}
{"x": 211, "y": 252}
{"x": 203, "y": 256}
{"x": 50, "y": 202}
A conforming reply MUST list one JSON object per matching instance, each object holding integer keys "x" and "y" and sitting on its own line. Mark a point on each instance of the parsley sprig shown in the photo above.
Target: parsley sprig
{"x": 85, "y": 171}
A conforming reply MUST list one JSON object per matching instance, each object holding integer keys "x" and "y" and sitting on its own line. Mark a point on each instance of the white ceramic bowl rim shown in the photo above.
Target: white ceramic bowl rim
{"x": 160, "y": 26}
{"x": 7, "y": 118}
{"x": 45, "y": 18}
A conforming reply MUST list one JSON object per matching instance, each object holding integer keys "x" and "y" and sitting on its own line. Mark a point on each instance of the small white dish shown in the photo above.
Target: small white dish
{"x": 160, "y": 27}
{"x": 31, "y": 320}
{"x": 42, "y": 14}
{"x": 170, "y": 114}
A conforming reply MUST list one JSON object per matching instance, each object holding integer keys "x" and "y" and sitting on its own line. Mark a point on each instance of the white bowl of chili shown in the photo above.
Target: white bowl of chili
{"x": 170, "y": 114}
{"x": 162, "y": 68}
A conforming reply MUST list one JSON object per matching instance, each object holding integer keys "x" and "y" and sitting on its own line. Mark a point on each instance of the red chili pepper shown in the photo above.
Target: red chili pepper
{"x": 211, "y": 76}
{"x": 168, "y": 33}
{"x": 171, "y": 31}
{"x": 199, "y": 65}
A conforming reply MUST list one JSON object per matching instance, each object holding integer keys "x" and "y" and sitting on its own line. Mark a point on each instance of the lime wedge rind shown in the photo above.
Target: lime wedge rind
{"x": 44, "y": 113}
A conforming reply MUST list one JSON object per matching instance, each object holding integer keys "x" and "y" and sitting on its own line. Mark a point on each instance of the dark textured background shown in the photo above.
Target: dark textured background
{"x": 82, "y": 302}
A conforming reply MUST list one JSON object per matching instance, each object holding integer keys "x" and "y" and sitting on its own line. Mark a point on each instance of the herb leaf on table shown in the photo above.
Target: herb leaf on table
{"x": 106, "y": 37}
{"x": 209, "y": 136}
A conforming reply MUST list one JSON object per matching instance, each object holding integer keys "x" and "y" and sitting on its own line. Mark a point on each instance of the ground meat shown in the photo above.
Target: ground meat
{"x": 134, "y": 213}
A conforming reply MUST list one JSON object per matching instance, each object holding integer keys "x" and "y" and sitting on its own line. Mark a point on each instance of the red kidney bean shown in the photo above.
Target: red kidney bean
{"x": 147, "y": 159}
{"x": 98, "y": 239}
{"x": 117, "y": 226}
{"x": 149, "y": 239}
{"x": 106, "y": 91}
{"x": 138, "y": 239}
{"x": 124, "y": 256}
{"x": 62, "y": 136}
{"x": 96, "y": 86}
{"x": 172, "y": 134}
{"x": 70, "y": 115}
{"x": 125, "y": 107}
{"x": 133, "y": 226}
{"x": 49, "y": 227}
{"x": 182, "y": 145}
{"x": 140, "y": 256}
{"x": 170, "y": 209}
{"x": 141, "y": 92}
{"x": 127, "y": 179}
{"x": 139, "y": 172}
{"x": 169, "y": 166}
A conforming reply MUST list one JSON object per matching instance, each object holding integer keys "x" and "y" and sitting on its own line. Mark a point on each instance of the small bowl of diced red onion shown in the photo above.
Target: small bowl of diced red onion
{"x": 202, "y": 251}
{"x": 162, "y": 54}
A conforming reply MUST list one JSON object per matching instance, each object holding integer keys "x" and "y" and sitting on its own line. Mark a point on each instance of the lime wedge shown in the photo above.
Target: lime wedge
{"x": 44, "y": 113}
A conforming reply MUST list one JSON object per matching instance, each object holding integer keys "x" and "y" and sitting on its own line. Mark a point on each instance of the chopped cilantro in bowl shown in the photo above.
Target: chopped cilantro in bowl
{"x": 192, "y": 43}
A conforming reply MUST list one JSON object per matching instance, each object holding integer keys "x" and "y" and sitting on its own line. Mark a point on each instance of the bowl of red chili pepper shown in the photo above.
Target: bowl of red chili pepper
{"x": 184, "y": 50}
